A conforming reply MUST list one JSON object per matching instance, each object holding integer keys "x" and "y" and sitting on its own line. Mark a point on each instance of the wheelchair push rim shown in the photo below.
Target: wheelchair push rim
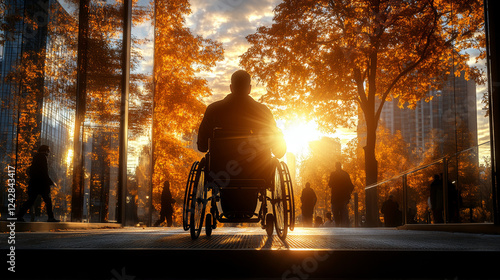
{"x": 199, "y": 201}
{"x": 280, "y": 206}
{"x": 289, "y": 197}
{"x": 188, "y": 197}
{"x": 195, "y": 200}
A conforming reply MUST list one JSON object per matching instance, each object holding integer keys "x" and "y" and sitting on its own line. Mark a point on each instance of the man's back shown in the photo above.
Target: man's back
{"x": 241, "y": 113}
{"x": 235, "y": 112}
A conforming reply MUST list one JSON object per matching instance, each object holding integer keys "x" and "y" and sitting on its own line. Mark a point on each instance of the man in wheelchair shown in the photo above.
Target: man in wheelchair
{"x": 242, "y": 136}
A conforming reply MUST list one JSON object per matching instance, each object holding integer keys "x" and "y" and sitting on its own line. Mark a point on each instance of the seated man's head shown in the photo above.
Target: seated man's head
{"x": 338, "y": 165}
{"x": 240, "y": 82}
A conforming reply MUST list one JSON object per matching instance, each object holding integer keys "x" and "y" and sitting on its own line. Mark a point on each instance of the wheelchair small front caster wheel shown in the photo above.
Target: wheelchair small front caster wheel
{"x": 269, "y": 224}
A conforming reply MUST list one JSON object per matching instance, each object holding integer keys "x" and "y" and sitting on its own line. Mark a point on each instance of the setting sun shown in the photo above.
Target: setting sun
{"x": 298, "y": 134}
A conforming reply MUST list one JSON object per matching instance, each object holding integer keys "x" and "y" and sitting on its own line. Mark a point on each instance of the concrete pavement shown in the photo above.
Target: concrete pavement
{"x": 253, "y": 238}
{"x": 308, "y": 253}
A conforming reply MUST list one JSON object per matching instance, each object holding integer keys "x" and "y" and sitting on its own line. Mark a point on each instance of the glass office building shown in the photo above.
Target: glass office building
{"x": 38, "y": 90}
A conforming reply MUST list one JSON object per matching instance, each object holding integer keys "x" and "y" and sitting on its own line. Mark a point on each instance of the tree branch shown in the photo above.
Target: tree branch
{"x": 411, "y": 67}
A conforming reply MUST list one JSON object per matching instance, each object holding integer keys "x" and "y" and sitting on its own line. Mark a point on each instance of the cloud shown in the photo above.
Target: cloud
{"x": 228, "y": 22}
{"x": 145, "y": 31}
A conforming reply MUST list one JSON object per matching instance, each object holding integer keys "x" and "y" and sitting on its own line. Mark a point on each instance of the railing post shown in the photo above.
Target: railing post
{"x": 405, "y": 199}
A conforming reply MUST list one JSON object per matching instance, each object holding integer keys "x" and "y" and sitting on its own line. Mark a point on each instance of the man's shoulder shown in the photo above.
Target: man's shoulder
{"x": 216, "y": 103}
{"x": 261, "y": 105}
{"x": 215, "y": 106}
{"x": 249, "y": 100}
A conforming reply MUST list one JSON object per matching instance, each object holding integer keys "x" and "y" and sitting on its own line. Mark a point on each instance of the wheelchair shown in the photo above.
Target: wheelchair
{"x": 238, "y": 181}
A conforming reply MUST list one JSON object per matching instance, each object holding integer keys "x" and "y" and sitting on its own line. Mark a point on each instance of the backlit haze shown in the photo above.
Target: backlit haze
{"x": 229, "y": 22}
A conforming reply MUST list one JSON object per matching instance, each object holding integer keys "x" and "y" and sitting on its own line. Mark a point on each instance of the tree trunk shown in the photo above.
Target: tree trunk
{"x": 371, "y": 170}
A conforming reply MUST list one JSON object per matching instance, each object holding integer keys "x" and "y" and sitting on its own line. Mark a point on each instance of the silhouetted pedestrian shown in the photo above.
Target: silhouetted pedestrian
{"x": 308, "y": 200}
{"x": 167, "y": 210}
{"x": 411, "y": 215}
{"x": 329, "y": 220}
{"x": 436, "y": 199}
{"x": 39, "y": 184}
{"x": 132, "y": 204}
{"x": 341, "y": 188}
{"x": 392, "y": 214}
{"x": 453, "y": 203}
{"x": 318, "y": 221}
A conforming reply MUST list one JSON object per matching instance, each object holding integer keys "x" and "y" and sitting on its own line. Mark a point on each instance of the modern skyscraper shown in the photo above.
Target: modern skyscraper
{"x": 450, "y": 115}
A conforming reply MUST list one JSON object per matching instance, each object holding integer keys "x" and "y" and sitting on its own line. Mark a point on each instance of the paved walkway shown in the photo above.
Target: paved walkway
{"x": 308, "y": 253}
{"x": 256, "y": 239}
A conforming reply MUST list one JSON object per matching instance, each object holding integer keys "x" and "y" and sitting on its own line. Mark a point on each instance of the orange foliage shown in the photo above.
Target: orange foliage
{"x": 29, "y": 73}
{"x": 393, "y": 158}
{"x": 49, "y": 75}
{"x": 329, "y": 58}
{"x": 178, "y": 110}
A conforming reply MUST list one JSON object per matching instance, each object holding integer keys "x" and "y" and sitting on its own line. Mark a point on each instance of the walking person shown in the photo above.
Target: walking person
{"x": 39, "y": 184}
{"x": 329, "y": 220}
{"x": 341, "y": 188}
{"x": 392, "y": 214}
{"x": 308, "y": 199}
{"x": 436, "y": 199}
{"x": 167, "y": 210}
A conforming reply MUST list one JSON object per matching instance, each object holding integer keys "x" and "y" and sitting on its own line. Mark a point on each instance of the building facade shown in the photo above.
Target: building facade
{"x": 37, "y": 95}
{"x": 450, "y": 118}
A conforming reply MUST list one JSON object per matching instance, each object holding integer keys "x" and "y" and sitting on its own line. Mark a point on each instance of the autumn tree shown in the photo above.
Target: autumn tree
{"x": 179, "y": 56}
{"x": 329, "y": 57}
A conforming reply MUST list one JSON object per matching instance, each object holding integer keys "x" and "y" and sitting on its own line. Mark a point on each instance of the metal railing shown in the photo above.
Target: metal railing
{"x": 465, "y": 195}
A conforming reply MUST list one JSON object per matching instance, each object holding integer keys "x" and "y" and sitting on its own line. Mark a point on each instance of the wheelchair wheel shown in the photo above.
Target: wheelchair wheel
{"x": 188, "y": 197}
{"x": 289, "y": 198}
{"x": 198, "y": 201}
{"x": 280, "y": 207}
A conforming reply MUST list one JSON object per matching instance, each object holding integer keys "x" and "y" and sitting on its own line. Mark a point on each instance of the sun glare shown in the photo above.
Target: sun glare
{"x": 298, "y": 134}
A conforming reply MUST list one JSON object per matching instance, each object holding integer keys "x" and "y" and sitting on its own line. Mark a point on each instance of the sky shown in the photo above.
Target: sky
{"x": 229, "y": 22}
{"x": 225, "y": 21}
